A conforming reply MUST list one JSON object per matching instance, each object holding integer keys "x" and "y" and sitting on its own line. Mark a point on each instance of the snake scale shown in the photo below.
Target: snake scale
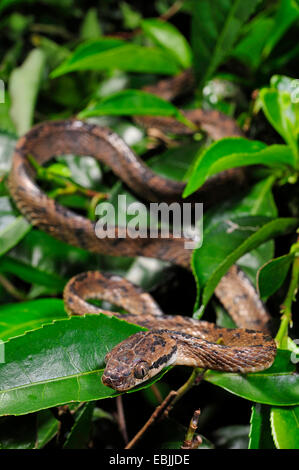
{"x": 170, "y": 340}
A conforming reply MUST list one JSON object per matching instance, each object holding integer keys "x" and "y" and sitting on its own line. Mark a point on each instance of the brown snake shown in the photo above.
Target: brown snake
{"x": 175, "y": 340}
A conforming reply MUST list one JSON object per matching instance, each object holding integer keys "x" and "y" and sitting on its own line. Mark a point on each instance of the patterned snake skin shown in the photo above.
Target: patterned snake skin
{"x": 175, "y": 340}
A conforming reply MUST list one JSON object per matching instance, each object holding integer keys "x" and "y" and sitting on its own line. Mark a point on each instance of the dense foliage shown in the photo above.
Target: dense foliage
{"x": 90, "y": 59}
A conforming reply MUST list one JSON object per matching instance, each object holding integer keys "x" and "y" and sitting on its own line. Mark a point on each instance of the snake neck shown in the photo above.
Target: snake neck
{"x": 244, "y": 353}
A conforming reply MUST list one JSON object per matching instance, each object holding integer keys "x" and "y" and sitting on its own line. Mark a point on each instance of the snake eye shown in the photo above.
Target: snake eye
{"x": 141, "y": 369}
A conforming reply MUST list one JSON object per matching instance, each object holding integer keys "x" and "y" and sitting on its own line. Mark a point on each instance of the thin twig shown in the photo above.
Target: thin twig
{"x": 11, "y": 289}
{"x": 156, "y": 414}
{"x": 194, "y": 379}
{"x": 173, "y": 10}
{"x": 157, "y": 393}
{"x": 191, "y": 441}
{"x": 121, "y": 418}
{"x": 166, "y": 406}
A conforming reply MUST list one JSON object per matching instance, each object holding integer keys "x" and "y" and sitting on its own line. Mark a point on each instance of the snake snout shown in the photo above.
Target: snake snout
{"x": 116, "y": 382}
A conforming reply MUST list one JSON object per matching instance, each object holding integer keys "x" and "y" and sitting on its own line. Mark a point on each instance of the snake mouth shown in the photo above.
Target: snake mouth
{"x": 117, "y": 383}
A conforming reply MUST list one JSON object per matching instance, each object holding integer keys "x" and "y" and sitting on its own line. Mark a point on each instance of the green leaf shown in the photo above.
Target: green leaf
{"x": 278, "y": 385}
{"x": 47, "y": 428}
{"x": 17, "y": 432}
{"x": 90, "y": 28}
{"x": 260, "y": 433}
{"x": 79, "y": 435}
{"x": 12, "y": 232}
{"x": 133, "y": 102}
{"x": 175, "y": 162}
{"x": 168, "y": 37}
{"x": 31, "y": 274}
{"x": 107, "y": 54}
{"x": 234, "y": 436}
{"x": 24, "y": 84}
{"x": 285, "y": 427}
{"x": 225, "y": 241}
{"x": 7, "y": 3}
{"x": 272, "y": 275}
{"x": 54, "y": 53}
{"x": 60, "y": 363}
{"x": 60, "y": 169}
{"x": 264, "y": 32}
{"x": 6, "y": 123}
{"x": 258, "y": 201}
{"x": 282, "y": 113}
{"x": 215, "y": 29}
{"x": 18, "y": 318}
{"x": 132, "y": 17}
{"x": 249, "y": 49}
{"x": 286, "y": 14}
{"x": 233, "y": 152}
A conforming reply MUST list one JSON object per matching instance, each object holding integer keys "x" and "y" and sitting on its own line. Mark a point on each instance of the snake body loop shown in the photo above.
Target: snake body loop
{"x": 171, "y": 340}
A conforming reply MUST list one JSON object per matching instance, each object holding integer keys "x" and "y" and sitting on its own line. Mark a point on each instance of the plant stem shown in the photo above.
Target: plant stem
{"x": 157, "y": 413}
{"x": 190, "y": 441}
{"x": 194, "y": 379}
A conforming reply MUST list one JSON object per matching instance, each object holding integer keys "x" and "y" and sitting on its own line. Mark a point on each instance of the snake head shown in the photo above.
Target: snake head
{"x": 139, "y": 358}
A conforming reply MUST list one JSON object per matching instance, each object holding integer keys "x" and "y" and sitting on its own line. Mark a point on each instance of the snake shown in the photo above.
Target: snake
{"x": 166, "y": 340}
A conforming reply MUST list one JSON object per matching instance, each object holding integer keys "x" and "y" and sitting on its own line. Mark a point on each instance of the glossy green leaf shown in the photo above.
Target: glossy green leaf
{"x": 7, "y": 3}
{"x": 55, "y": 53}
{"x": 6, "y": 123}
{"x": 16, "y": 319}
{"x": 24, "y": 85}
{"x": 133, "y": 102}
{"x": 90, "y": 27}
{"x": 31, "y": 274}
{"x": 131, "y": 17}
{"x": 234, "y": 152}
{"x": 175, "y": 162}
{"x": 282, "y": 113}
{"x": 238, "y": 236}
{"x": 258, "y": 201}
{"x": 285, "y": 427}
{"x": 234, "y": 436}
{"x": 107, "y": 54}
{"x": 286, "y": 15}
{"x": 264, "y": 32}
{"x": 215, "y": 29}
{"x": 47, "y": 428}
{"x": 249, "y": 49}
{"x": 167, "y": 36}
{"x": 60, "y": 363}
{"x": 272, "y": 275}
{"x": 278, "y": 385}
{"x": 12, "y": 232}
{"x": 260, "y": 432}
